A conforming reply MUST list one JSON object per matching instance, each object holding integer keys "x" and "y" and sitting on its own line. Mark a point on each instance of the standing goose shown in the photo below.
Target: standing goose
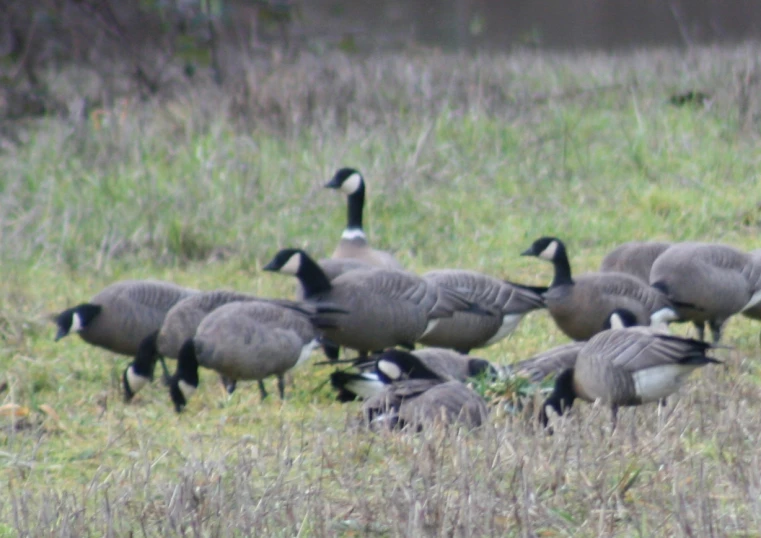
{"x": 419, "y": 403}
{"x": 122, "y": 315}
{"x": 713, "y": 281}
{"x": 624, "y": 367}
{"x": 386, "y": 308}
{"x": 555, "y": 360}
{"x": 465, "y": 331}
{"x": 246, "y": 340}
{"x": 581, "y": 306}
{"x": 353, "y": 242}
{"x": 395, "y": 365}
{"x": 635, "y": 258}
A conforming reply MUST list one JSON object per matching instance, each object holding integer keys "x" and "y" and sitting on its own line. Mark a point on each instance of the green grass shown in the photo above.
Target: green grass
{"x": 468, "y": 160}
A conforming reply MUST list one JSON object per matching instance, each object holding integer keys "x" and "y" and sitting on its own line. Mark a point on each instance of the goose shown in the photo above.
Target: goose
{"x": 754, "y": 312}
{"x": 247, "y": 340}
{"x": 626, "y": 367}
{"x": 419, "y": 403}
{"x": 353, "y": 242}
{"x": 635, "y": 258}
{"x": 557, "y": 359}
{"x": 387, "y": 308}
{"x": 465, "y": 331}
{"x": 581, "y": 305}
{"x": 395, "y": 364}
{"x": 122, "y": 315}
{"x": 712, "y": 281}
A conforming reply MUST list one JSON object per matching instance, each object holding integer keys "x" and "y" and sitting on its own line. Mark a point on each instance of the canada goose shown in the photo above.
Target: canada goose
{"x": 635, "y": 258}
{"x": 624, "y": 367}
{"x": 179, "y": 325}
{"x": 246, "y": 340}
{"x": 580, "y": 306}
{"x": 395, "y": 365}
{"x": 416, "y": 403}
{"x": 353, "y": 242}
{"x": 754, "y": 312}
{"x": 122, "y": 315}
{"x": 387, "y": 308}
{"x": 557, "y": 359}
{"x": 713, "y": 281}
{"x": 465, "y": 331}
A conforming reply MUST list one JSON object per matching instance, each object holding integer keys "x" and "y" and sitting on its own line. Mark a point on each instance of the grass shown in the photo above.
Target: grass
{"x": 468, "y": 160}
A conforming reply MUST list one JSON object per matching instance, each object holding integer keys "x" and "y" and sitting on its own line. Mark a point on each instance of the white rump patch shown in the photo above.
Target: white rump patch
{"x": 351, "y": 184}
{"x": 549, "y": 252}
{"x": 135, "y": 381}
{"x": 431, "y": 326}
{"x": 306, "y": 351}
{"x": 391, "y": 369}
{"x": 76, "y": 323}
{"x": 369, "y": 385}
{"x": 186, "y": 388}
{"x": 753, "y": 301}
{"x": 293, "y": 265}
{"x": 353, "y": 233}
{"x": 659, "y": 382}
{"x": 509, "y": 323}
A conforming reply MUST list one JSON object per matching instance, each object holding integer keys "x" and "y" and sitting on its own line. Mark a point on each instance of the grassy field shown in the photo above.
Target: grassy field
{"x": 468, "y": 160}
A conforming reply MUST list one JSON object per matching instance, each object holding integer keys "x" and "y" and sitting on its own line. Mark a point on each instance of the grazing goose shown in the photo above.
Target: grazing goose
{"x": 418, "y": 403}
{"x": 624, "y": 367}
{"x": 386, "y": 308}
{"x": 465, "y": 331}
{"x": 581, "y": 306}
{"x": 122, "y": 315}
{"x": 247, "y": 340}
{"x": 353, "y": 242}
{"x": 555, "y": 360}
{"x": 395, "y": 365}
{"x": 713, "y": 282}
{"x": 635, "y": 258}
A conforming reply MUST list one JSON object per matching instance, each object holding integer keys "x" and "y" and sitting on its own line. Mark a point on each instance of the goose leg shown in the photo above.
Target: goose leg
{"x": 614, "y": 417}
{"x": 262, "y": 390}
{"x": 716, "y": 326}
{"x": 228, "y": 383}
{"x": 700, "y": 328}
{"x": 166, "y": 376}
{"x": 281, "y": 386}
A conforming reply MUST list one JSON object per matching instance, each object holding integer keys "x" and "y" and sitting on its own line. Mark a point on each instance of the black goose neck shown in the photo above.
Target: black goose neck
{"x": 562, "y": 268}
{"x": 312, "y": 277}
{"x": 355, "y": 205}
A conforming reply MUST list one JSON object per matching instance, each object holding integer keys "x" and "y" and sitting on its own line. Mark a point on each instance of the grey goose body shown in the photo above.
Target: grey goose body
{"x": 353, "y": 243}
{"x": 122, "y": 315}
{"x": 713, "y": 281}
{"x": 464, "y": 330}
{"x": 625, "y": 367}
{"x": 246, "y": 340}
{"x": 635, "y": 258}
{"x": 581, "y": 305}
{"x": 386, "y": 308}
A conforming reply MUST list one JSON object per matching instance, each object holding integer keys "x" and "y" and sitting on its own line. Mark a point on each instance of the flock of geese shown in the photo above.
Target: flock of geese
{"x": 361, "y": 299}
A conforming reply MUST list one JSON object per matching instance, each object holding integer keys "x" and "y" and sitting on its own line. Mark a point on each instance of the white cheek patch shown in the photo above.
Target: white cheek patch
{"x": 353, "y": 233}
{"x": 390, "y": 369}
{"x": 659, "y": 382}
{"x": 351, "y": 184}
{"x": 292, "y": 266}
{"x": 549, "y": 252}
{"x": 659, "y": 320}
{"x": 135, "y": 381}
{"x": 616, "y": 322}
{"x": 76, "y": 323}
{"x": 186, "y": 388}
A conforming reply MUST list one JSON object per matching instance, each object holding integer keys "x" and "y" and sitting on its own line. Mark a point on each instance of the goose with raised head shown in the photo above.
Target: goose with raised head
{"x": 708, "y": 283}
{"x": 580, "y": 306}
{"x": 247, "y": 340}
{"x": 353, "y": 244}
{"x": 465, "y": 331}
{"x": 635, "y": 258}
{"x": 626, "y": 367}
{"x": 387, "y": 308}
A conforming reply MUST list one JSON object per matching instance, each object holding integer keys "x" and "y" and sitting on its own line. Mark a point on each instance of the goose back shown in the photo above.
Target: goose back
{"x": 635, "y": 258}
